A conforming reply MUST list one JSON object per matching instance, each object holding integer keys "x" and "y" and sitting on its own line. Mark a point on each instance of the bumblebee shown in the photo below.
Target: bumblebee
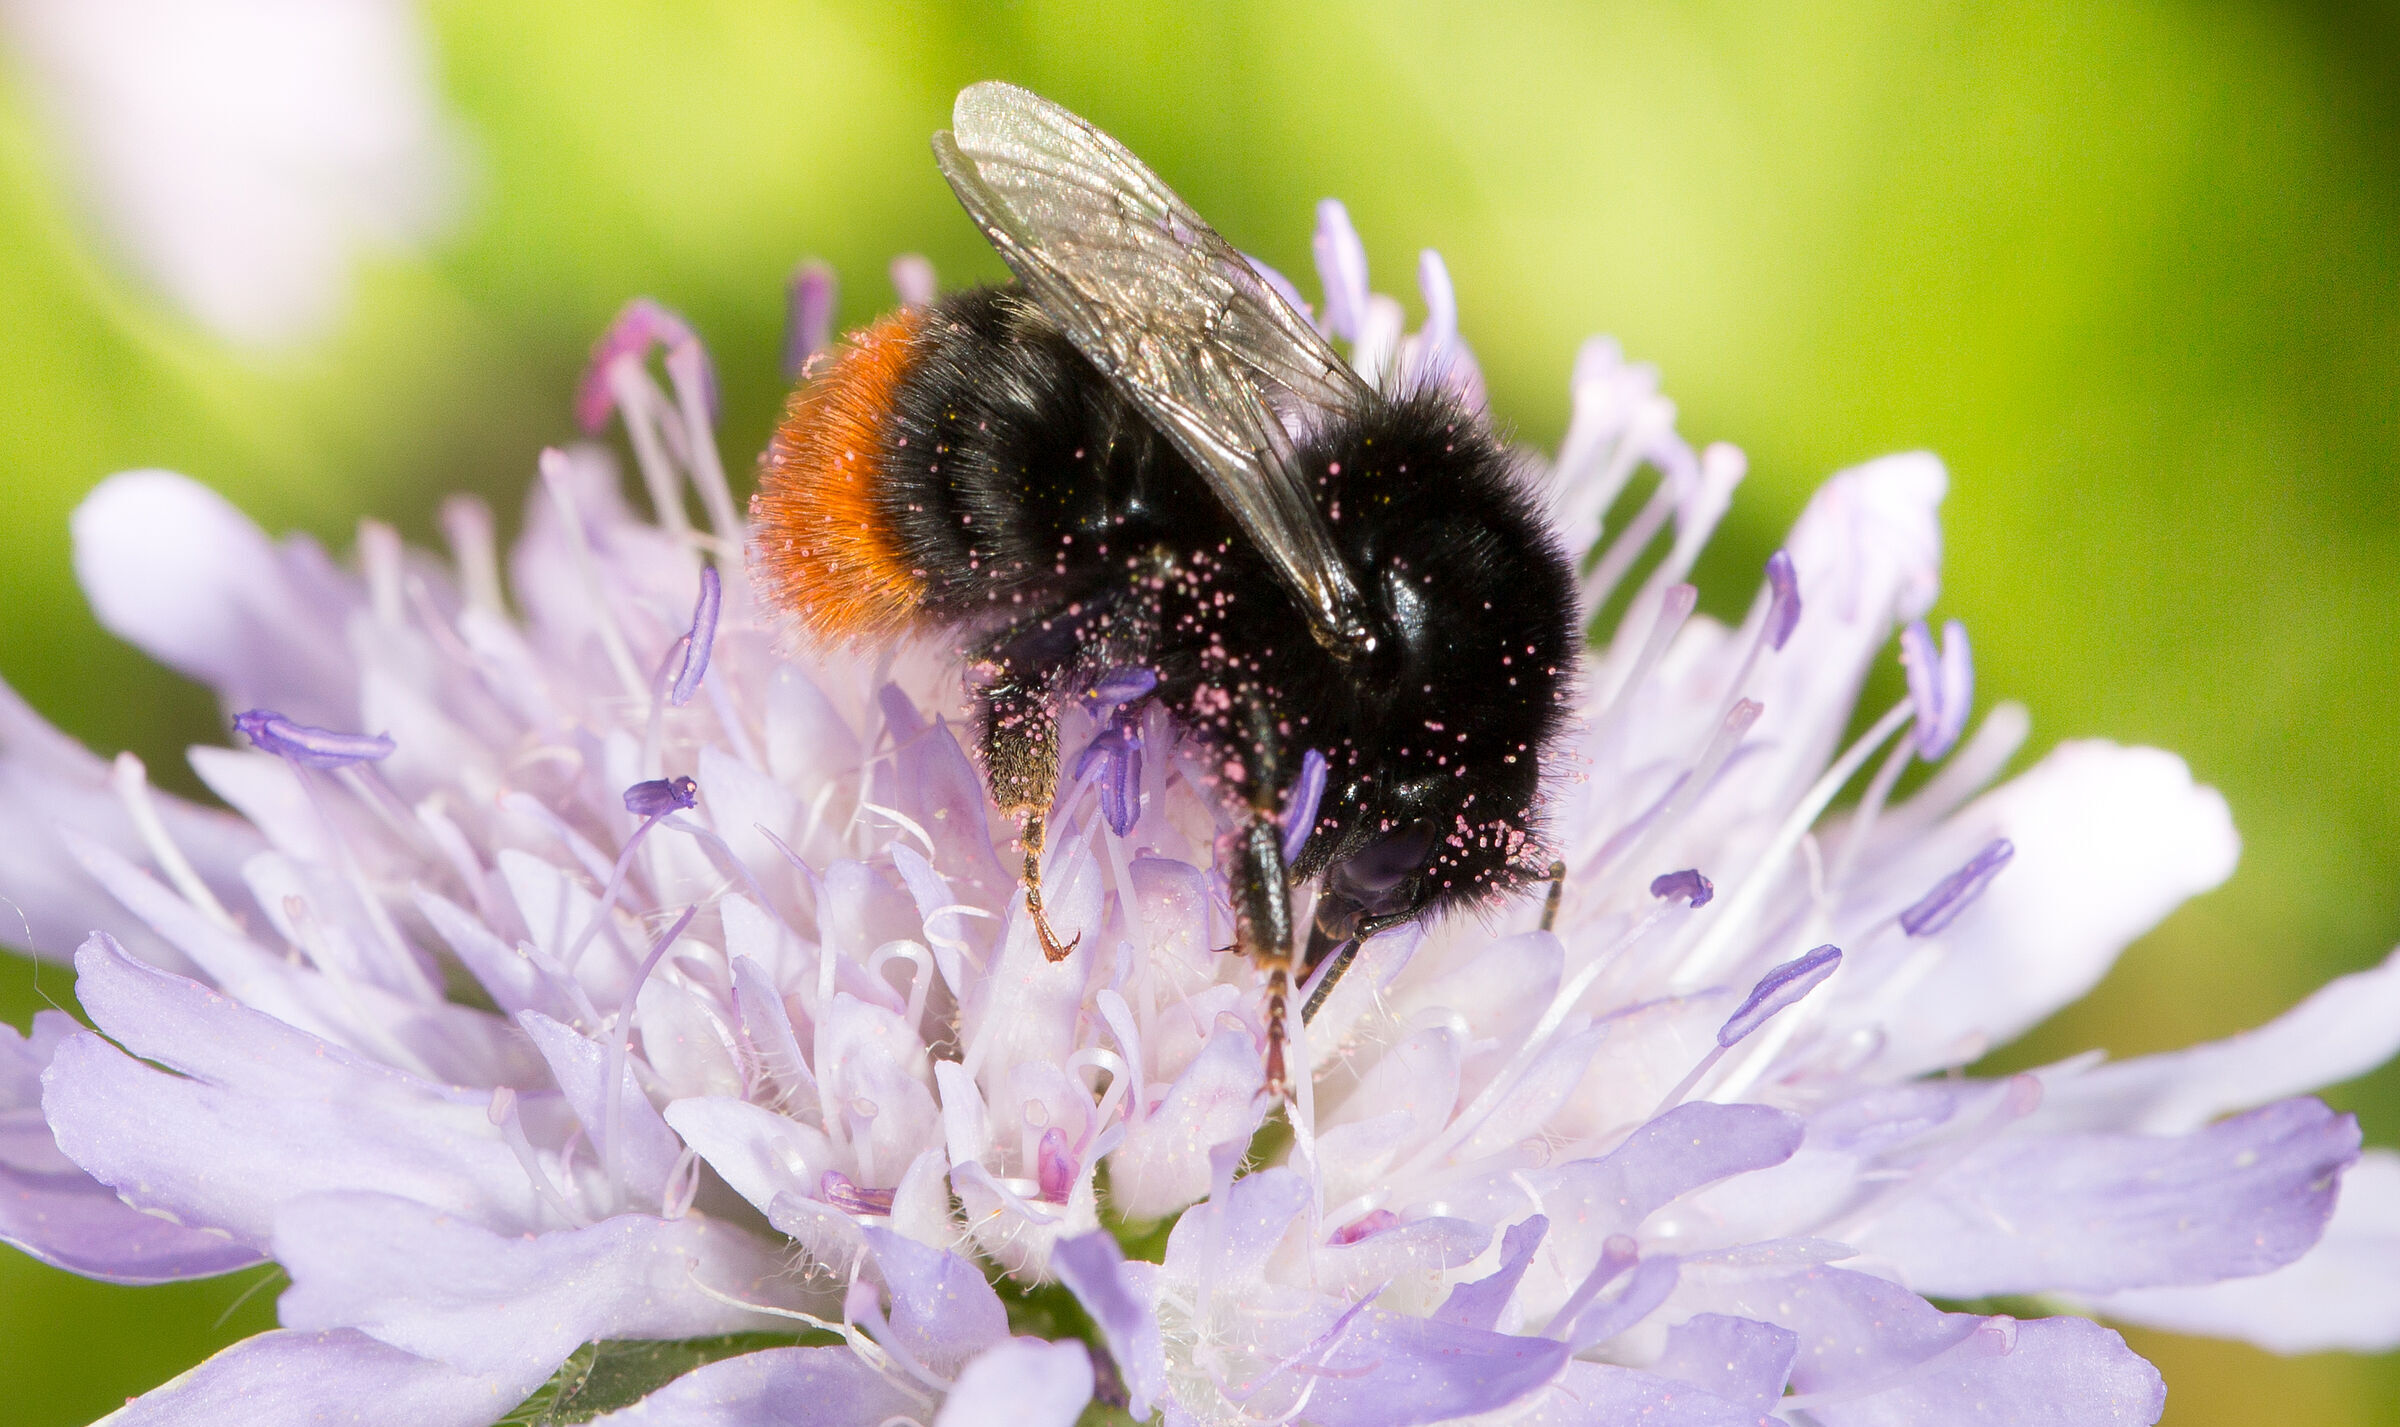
{"x": 1138, "y": 459}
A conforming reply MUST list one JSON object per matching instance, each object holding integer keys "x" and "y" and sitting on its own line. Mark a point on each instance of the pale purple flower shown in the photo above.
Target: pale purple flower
{"x": 243, "y": 154}
{"x": 579, "y": 963}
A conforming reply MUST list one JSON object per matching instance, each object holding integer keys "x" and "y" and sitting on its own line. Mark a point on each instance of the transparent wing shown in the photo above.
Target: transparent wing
{"x": 1168, "y": 311}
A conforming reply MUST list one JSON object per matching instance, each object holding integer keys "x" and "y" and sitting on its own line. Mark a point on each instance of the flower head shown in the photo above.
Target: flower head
{"x": 598, "y": 972}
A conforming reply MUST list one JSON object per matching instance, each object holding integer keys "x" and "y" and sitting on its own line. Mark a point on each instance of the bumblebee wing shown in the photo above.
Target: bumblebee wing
{"x": 1166, "y": 309}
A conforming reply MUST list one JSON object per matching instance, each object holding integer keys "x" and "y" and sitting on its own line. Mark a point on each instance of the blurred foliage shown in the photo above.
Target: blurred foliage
{"x": 2133, "y": 270}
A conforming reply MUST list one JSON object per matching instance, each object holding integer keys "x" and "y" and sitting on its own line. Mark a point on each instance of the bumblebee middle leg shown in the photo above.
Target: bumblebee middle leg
{"x": 1019, "y": 737}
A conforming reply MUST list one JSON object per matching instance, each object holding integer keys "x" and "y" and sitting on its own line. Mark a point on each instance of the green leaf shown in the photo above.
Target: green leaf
{"x": 604, "y": 1376}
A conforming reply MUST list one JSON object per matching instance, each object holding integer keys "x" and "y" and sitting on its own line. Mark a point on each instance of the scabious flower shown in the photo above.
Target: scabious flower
{"x": 241, "y": 153}
{"x": 580, "y": 973}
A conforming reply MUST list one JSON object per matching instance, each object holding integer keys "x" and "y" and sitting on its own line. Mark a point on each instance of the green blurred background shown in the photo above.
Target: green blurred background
{"x": 2130, "y": 269}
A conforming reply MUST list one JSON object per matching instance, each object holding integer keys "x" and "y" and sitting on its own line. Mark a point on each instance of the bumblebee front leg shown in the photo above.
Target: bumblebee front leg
{"x": 1262, "y": 924}
{"x": 1020, "y": 759}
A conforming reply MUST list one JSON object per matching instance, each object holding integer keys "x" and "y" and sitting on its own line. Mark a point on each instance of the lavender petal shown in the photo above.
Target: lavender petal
{"x": 2341, "y": 1296}
{"x": 1680, "y": 1151}
{"x": 257, "y": 1112}
{"x": 942, "y": 1311}
{"x": 1738, "y": 1359}
{"x": 1778, "y": 989}
{"x": 2095, "y": 1213}
{"x": 74, "y": 1222}
{"x": 1093, "y": 1268}
{"x": 1881, "y": 1356}
{"x": 1024, "y": 1382}
{"x": 757, "y": 1152}
{"x": 2108, "y": 840}
{"x": 176, "y": 570}
{"x": 54, "y": 1211}
{"x": 1603, "y": 1395}
{"x": 1397, "y": 1370}
{"x": 1477, "y": 1305}
{"x": 289, "y": 1376}
{"x": 1163, "y": 1164}
{"x": 580, "y": 1066}
{"x": 513, "y": 1306}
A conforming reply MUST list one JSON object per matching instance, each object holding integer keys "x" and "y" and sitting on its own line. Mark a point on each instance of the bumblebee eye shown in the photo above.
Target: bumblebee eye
{"x": 1385, "y": 863}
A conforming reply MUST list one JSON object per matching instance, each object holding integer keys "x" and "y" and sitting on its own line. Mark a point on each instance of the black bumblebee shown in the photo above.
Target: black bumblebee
{"x": 1138, "y": 456}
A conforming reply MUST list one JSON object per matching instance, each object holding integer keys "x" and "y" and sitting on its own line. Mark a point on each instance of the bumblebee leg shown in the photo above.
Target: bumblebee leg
{"x": 1262, "y": 923}
{"x": 1020, "y": 759}
{"x": 1320, "y": 945}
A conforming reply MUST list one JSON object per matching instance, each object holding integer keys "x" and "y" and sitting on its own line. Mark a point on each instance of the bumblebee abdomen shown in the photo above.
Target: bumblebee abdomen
{"x": 821, "y": 520}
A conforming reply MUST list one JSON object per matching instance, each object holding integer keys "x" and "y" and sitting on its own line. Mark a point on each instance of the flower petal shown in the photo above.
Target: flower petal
{"x": 1738, "y": 1359}
{"x": 1601, "y": 1395}
{"x": 2108, "y": 841}
{"x": 260, "y": 1113}
{"x": 1163, "y": 1164}
{"x": 2347, "y": 1027}
{"x": 173, "y": 568}
{"x": 2093, "y": 1213}
{"x": 295, "y": 1377}
{"x": 2343, "y": 1295}
{"x": 55, "y": 904}
{"x": 942, "y": 1309}
{"x": 1394, "y": 1370}
{"x": 1479, "y": 1304}
{"x": 1023, "y": 1382}
{"x": 1873, "y": 1354}
{"x": 512, "y": 1306}
{"x": 790, "y": 1387}
{"x": 1093, "y": 1267}
{"x": 54, "y": 1211}
{"x": 759, "y": 1153}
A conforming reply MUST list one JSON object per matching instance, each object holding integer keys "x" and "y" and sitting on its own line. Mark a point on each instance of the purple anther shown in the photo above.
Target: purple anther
{"x": 912, "y": 278}
{"x": 1374, "y": 1221}
{"x": 808, "y": 321}
{"x": 640, "y": 326}
{"x": 1117, "y": 752}
{"x": 1777, "y": 989}
{"x": 1054, "y": 1167}
{"x": 1300, "y": 805}
{"x": 837, "y": 1190}
{"x": 1783, "y": 599}
{"x": 1341, "y": 270}
{"x": 271, "y": 732}
{"x": 661, "y": 796}
{"x": 702, "y": 638}
{"x": 1954, "y": 893}
{"x": 1119, "y": 686}
{"x": 1941, "y": 683}
{"x": 1687, "y": 884}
